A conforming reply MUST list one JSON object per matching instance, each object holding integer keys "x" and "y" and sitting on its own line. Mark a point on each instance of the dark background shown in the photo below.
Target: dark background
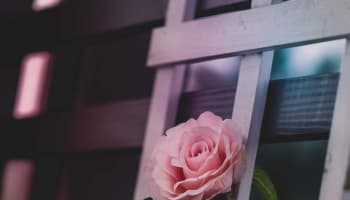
{"x": 89, "y": 139}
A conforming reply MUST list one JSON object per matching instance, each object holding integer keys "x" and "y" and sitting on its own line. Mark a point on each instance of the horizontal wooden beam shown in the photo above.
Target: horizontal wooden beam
{"x": 111, "y": 126}
{"x": 282, "y": 25}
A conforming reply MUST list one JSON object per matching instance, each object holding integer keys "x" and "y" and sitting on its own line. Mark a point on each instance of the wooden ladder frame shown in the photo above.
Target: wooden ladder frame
{"x": 252, "y": 34}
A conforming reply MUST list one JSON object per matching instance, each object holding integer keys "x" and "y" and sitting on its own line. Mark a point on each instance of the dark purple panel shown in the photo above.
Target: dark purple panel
{"x": 110, "y": 126}
{"x": 77, "y": 19}
{"x": 219, "y": 101}
{"x": 8, "y": 89}
{"x": 105, "y": 176}
{"x": 87, "y": 17}
{"x": 10, "y": 10}
{"x": 208, "y": 7}
{"x": 65, "y": 76}
{"x": 114, "y": 68}
{"x": 47, "y": 175}
{"x": 17, "y": 138}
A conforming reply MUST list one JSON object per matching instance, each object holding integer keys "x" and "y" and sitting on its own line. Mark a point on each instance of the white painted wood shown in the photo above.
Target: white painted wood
{"x": 249, "y": 104}
{"x": 167, "y": 89}
{"x": 285, "y": 24}
{"x": 246, "y": 91}
{"x": 260, "y": 3}
{"x": 346, "y": 195}
{"x": 162, "y": 113}
{"x": 332, "y": 186}
{"x": 180, "y": 11}
{"x": 249, "y": 107}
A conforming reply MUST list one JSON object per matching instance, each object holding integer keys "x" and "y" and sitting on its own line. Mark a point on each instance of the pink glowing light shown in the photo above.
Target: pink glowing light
{"x": 31, "y": 91}
{"x": 44, "y": 4}
{"x": 17, "y": 180}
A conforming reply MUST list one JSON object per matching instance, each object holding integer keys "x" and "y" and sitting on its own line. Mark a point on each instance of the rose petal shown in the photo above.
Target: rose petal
{"x": 163, "y": 160}
{"x": 210, "y": 120}
{"x": 193, "y": 182}
{"x": 195, "y": 163}
{"x": 198, "y": 148}
{"x": 221, "y": 185}
{"x": 174, "y": 139}
{"x": 198, "y": 159}
{"x": 212, "y": 162}
{"x": 222, "y": 180}
{"x": 197, "y": 135}
{"x": 164, "y": 182}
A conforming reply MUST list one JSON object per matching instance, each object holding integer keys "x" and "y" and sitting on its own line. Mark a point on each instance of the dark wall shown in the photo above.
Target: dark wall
{"x": 87, "y": 144}
{"x": 114, "y": 68}
{"x": 99, "y": 61}
{"x": 9, "y": 73}
{"x": 295, "y": 168}
{"x": 102, "y": 176}
{"x": 65, "y": 76}
{"x": 11, "y": 10}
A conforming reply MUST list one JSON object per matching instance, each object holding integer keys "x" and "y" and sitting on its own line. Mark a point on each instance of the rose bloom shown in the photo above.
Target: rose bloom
{"x": 197, "y": 160}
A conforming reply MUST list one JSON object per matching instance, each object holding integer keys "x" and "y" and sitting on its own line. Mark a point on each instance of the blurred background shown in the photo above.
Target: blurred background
{"x": 75, "y": 92}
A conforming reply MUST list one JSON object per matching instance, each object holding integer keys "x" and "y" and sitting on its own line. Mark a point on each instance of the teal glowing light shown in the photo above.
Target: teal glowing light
{"x": 308, "y": 60}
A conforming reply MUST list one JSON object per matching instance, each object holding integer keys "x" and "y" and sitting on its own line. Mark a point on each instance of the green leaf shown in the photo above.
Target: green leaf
{"x": 263, "y": 185}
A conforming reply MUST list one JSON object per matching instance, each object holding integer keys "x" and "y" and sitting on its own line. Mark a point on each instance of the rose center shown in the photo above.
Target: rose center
{"x": 198, "y": 148}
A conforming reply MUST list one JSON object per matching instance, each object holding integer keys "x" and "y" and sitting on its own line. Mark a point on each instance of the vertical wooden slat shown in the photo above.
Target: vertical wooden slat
{"x": 166, "y": 95}
{"x": 336, "y": 163}
{"x": 162, "y": 113}
{"x": 249, "y": 104}
{"x": 179, "y": 11}
{"x": 249, "y": 109}
{"x": 246, "y": 91}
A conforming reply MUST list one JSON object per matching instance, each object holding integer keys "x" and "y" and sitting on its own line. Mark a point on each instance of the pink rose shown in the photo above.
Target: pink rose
{"x": 197, "y": 159}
